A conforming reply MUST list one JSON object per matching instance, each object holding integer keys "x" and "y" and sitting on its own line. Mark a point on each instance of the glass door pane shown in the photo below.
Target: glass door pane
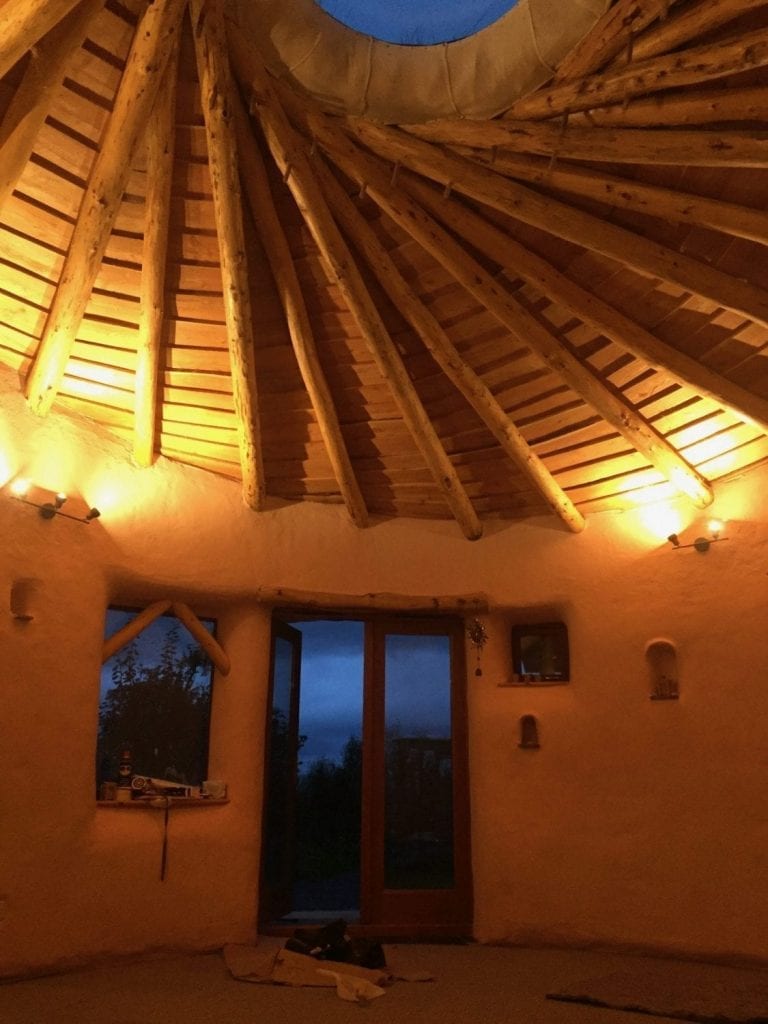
{"x": 418, "y": 813}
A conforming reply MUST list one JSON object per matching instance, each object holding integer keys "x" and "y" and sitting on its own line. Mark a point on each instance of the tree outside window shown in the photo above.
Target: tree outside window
{"x": 156, "y": 702}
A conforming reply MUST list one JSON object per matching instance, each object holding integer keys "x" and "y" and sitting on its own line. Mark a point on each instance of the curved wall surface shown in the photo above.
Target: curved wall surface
{"x": 636, "y": 824}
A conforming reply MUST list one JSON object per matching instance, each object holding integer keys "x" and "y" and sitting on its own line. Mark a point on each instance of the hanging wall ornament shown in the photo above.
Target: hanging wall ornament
{"x": 478, "y": 637}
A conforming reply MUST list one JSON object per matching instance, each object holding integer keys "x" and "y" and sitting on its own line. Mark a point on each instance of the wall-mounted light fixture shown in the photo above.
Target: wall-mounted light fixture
{"x": 701, "y": 544}
{"x": 48, "y": 509}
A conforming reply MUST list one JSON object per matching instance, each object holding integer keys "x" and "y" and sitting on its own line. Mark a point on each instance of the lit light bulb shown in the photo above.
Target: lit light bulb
{"x": 20, "y": 486}
{"x": 715, "y": 527}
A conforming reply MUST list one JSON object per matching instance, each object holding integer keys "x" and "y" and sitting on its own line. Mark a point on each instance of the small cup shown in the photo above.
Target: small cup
{"x": 214, "y": 790}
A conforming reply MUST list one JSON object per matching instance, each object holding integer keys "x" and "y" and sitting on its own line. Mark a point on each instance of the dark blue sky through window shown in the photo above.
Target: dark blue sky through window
{"x": 418, "y": 23}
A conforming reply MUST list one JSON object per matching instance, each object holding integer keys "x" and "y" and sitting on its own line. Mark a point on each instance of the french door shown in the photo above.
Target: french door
{"x": 412, "y": 858}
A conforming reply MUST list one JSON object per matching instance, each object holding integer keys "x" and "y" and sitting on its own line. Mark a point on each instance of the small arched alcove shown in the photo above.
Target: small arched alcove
{"x": 661, "y": 658}
{"x": 529, "y": 733}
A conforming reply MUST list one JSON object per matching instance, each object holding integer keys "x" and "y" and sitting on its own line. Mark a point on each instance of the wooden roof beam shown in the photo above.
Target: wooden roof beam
{"x": 526, "y": 328}
{"x": 133, "y": 103}
{"x": 617, "y": 85}
{"x": 586, "y": 306}
{"x": 216, "y": 91}
{"x": 692, "y": 21}
{"x": 461, "y": 375}
{"x": 161, "y": 133}
{"x": 24, "y": 22}
{"x": 682, "y": 107}
{"x": 564, "y": 221}
{"x": 256, "y": 184}
{"x": 44, "y": 73}
{"x": 630, "y": 194}
{"x": 288, "y": 152}
{"x": 681, "y": 148}
{"x": 610, "y": 35}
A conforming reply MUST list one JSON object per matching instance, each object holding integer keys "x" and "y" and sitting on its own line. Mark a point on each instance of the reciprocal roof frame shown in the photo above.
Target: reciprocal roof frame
{"x": 559, "y": 309}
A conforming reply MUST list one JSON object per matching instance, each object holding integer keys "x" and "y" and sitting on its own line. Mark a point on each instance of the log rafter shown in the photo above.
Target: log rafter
{"x": 588, "y": 307}
{"x": 27, "y": 110}
{"x": 288, "y": 152}
{"x": 620, "y": 146}
{"x": 654, "y": 200}
{"x": 612, "y": 34}
{"x": 133, "y": 103}
{"x": 256, "y": 184}
{"x": 157, "y": 215}
{"x": 216, "y": 90}
{"x": 648, "y": 257}
{"x": 685, "y": 67}
{"x": 502, "y": 304}
{"x": 447, "y": 357}
{"x": 24, "y": 22}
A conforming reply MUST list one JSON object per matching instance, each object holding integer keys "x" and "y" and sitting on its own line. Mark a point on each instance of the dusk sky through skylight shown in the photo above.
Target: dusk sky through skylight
{"x": 417, "y": 23}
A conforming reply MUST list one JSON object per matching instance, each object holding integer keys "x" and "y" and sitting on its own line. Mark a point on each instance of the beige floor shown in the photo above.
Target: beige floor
{"x": 481, "y": 984}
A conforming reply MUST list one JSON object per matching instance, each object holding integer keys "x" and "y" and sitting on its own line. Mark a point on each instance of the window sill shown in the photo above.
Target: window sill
{"x": 159, "y": 803}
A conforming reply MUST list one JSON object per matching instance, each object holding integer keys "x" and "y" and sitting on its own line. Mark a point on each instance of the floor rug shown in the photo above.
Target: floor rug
{"x": 682, "y": 991}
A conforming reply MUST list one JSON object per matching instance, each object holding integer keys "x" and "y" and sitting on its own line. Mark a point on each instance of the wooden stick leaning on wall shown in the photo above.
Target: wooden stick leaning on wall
{"x": 133, "y": 628}
{"x": 209, "y": 644}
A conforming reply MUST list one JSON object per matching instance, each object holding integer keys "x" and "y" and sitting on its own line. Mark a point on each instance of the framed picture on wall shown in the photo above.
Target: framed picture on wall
{"x": 540, "y": 654}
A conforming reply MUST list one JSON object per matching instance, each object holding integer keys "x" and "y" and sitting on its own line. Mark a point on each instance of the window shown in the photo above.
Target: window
{"x": 155, "y": 702}
{"x": 540, "y": 653}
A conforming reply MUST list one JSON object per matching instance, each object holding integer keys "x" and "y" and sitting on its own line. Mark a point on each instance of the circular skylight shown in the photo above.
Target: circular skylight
{"x": 417, "y": 22}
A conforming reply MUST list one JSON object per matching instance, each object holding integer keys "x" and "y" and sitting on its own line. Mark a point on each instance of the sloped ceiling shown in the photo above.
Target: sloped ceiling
{"x": 558, "y": 310}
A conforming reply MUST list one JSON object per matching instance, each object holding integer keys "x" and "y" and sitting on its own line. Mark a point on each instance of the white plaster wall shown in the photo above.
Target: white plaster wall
{"x": 637, "y": 824}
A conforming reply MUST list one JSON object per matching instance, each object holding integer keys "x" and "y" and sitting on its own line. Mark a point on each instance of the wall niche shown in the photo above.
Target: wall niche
{"x": 661, "y": 658}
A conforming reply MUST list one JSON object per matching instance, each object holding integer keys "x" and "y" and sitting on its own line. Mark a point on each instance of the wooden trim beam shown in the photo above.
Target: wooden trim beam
{"x": 614, "y": 145}
{"x": 562, "y": 220}
{"x": 526, "y": 328}
{"x": 288, "y": 152}
{"x": 216, "y": 90}
{"x": 132, "y": 629}
{"x": 23, "y": 23}
{"x": 591, "y": 309}
{"x": 209, "y": 644}
{"x": 437, "y": 342}
{"x": 146, "y": 62}
{"x": 465, "y": 604}
{"x": 256, "y": 184}
{"x": 618, "y": 85}
{"x": 157, "y": 215}
{"x": 44, "y": 73}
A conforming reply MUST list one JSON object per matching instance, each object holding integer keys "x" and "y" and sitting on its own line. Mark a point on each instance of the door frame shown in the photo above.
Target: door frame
{"x": 391, "y": 913}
